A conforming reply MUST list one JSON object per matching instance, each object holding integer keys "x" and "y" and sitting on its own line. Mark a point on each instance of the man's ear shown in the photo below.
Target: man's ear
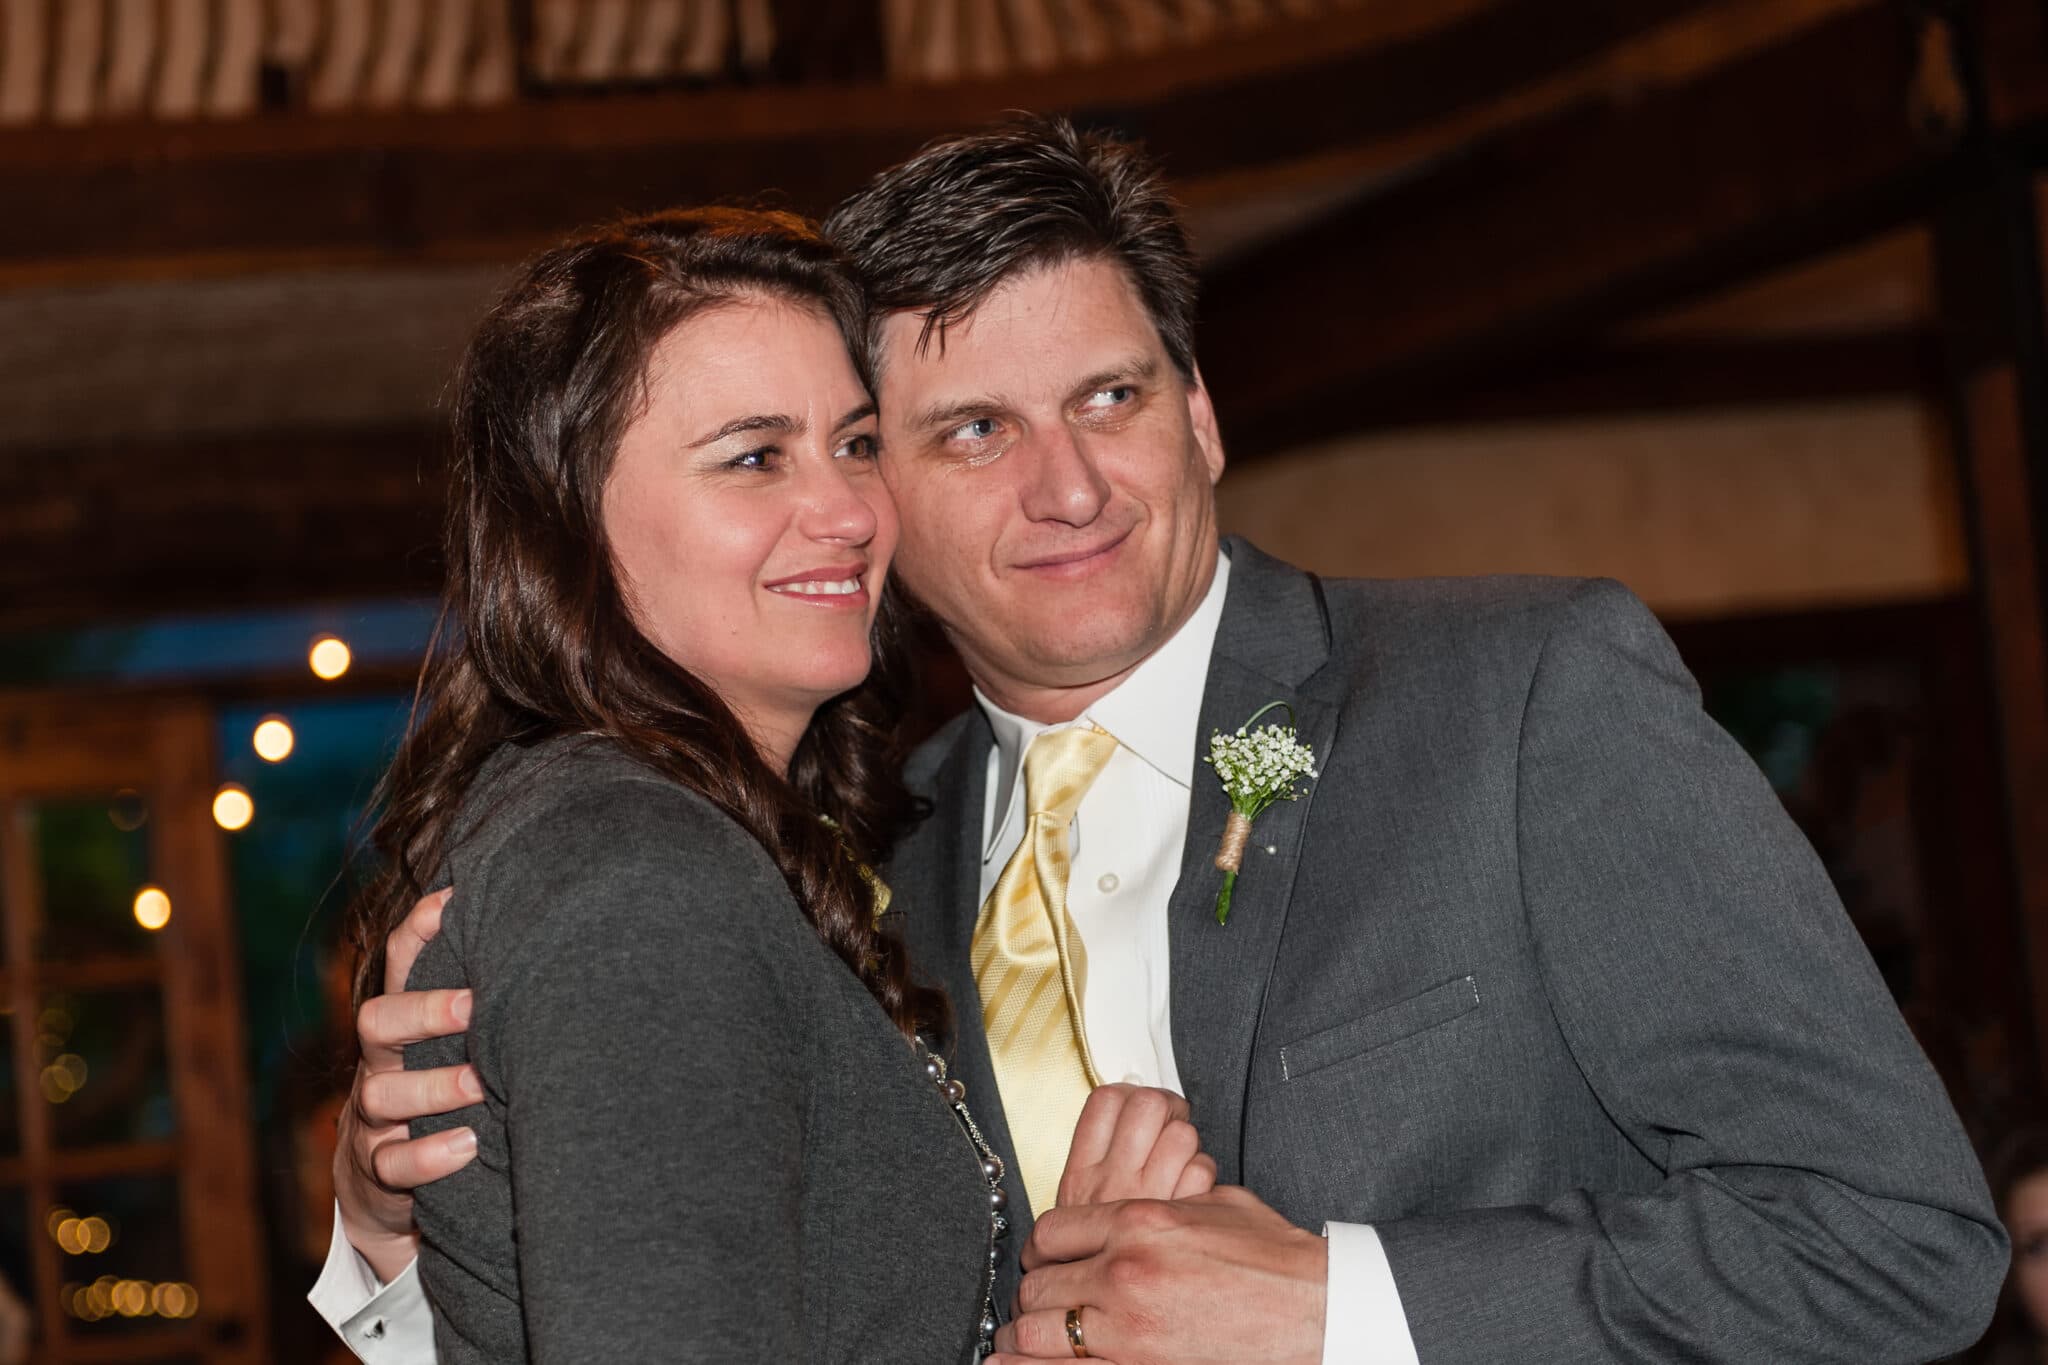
{"x": 1203, "y": 417}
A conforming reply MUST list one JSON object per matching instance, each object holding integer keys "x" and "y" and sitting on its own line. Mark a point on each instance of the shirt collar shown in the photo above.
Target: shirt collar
{"x": 1154, "y": 713}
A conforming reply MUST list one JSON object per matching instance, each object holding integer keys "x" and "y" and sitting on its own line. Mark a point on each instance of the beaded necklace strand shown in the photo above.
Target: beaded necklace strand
{"x": 954, "y": 1093}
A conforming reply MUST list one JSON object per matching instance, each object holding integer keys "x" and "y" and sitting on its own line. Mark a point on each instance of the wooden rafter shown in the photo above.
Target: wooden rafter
{"x": 136, "y": 530}
{"x": 1376, "y": 86}
{"x": 1390, "y": 311}
{"x": 1573, "y": 223}
{"x": 132, "y": 530}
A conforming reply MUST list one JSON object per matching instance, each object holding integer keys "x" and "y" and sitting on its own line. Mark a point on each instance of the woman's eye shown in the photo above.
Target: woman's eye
{"x": 864, "y": 447}
{"x": 752, "y": 459}
{"x": 980, "y": 429}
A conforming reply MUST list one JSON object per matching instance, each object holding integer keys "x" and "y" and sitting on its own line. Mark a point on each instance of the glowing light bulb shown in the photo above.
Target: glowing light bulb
{"x": 232, "y": 808}
{"x": 273, "y": 739}
{"x": 329, "y": 658}
{"x": 152, "y": 908}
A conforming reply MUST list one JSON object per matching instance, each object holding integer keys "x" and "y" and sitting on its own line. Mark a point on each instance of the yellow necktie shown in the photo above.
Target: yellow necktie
{"x": 1032, "y": 969}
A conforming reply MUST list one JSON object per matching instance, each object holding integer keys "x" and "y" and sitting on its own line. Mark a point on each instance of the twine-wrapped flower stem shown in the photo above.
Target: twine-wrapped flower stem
{"x": 1257, "y": 767}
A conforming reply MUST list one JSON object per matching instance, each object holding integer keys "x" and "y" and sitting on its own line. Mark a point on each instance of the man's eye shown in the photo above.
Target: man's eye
{"x": 980, "y": 429}
{"x": 1114, "y": 396}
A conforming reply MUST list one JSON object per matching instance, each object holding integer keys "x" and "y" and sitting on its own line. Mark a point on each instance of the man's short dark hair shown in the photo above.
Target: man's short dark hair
{"x": 940, "y": 232}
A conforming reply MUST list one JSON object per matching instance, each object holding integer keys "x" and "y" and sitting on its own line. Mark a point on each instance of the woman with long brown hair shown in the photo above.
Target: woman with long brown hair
{"x": 652, "y": 755}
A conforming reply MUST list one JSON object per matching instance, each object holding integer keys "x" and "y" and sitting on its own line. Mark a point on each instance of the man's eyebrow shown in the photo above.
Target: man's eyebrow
{"x": 1137, "y": 367}
{"x": 953, "y": 414}
{"x": 760, "y": 421}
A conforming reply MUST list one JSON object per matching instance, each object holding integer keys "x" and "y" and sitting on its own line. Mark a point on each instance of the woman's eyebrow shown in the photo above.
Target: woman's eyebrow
{"x": 760, "y": 421}
{"x": 859, "y": 414}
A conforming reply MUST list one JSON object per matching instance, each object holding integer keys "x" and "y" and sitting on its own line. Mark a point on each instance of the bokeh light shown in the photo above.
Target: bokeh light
{"x": 63, "y": 1078}
{"x": 329, "y": 658}
{"x": 110, "y": 1295}
{"x": 273, "y": 739}
{"x": 232, "y": 808}
{"x": 131, "y": 1298}
{"x": 128, "y": 811}
{"x": 174, "y": 1301}
{"x": 83, "y": 1236}
{"x": 152, "y": 908}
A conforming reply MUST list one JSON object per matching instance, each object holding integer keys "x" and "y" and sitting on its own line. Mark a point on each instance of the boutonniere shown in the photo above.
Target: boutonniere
{"x": 1257, "y": 767}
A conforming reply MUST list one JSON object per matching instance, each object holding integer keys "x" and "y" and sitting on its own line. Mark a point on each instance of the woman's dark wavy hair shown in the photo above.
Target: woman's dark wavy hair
{"x": 536, "y": 639}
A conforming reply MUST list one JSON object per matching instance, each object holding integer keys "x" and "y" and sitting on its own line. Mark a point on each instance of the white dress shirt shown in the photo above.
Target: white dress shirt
{"x": 385, "y": 1324}
{"x": 1126, "y": 844}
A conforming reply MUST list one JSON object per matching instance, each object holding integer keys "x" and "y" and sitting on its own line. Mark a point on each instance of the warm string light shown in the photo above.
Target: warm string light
{"x": 64, "y": 1078}
{"x": 53, "y": 1026}
{"x": 80, "y": 1236}
{"x": 232, "y": 807}
{"x": 273, "y": 739}
{"x": 152, "y": 908}
{"x": 329, "y": 658}
{"x": 110, "y": 1295}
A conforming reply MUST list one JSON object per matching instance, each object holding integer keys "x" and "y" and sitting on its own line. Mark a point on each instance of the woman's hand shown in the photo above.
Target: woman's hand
{"x": 376, "y": 1161}
{"x": 1135, "y": 1142}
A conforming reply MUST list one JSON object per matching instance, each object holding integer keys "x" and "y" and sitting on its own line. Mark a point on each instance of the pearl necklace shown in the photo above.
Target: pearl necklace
{"x": 955, "y": 1095}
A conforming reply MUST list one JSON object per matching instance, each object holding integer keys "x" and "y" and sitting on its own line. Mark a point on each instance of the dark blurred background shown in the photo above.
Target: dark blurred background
{"x": 1739, "y": 301}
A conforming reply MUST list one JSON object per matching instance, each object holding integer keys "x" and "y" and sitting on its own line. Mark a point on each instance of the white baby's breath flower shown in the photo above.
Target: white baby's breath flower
{"x": 1257, "y": 768}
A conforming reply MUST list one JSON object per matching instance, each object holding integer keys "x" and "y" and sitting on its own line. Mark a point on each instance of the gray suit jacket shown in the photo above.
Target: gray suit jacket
{"x": 1541, "y": 981}
{"x": 701, "y": 1139}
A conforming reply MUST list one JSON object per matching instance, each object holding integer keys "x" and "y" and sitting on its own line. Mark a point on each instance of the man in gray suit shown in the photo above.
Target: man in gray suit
{"x": 1535, "y": 1032}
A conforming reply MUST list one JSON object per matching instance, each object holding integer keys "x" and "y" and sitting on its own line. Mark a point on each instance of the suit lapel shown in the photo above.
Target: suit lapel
{"x": 940, "y": 871}
{"x": 1273, "y": 637}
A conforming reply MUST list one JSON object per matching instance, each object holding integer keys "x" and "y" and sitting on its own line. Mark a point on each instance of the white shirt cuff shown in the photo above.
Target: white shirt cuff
{"x": 384, "y": 1324}
{"x": 1362, "y": 1319}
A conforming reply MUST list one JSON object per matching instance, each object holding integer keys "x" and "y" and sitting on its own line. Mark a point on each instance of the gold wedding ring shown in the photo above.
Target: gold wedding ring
{"x": 1074, "y": 1338}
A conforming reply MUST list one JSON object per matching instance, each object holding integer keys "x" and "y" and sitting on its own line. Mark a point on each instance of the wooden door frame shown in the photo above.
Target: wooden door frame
{"x": 53, "y": 745}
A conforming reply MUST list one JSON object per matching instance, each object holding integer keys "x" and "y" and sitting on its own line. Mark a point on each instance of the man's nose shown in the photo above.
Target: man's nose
{"x": 1063, "y": 482}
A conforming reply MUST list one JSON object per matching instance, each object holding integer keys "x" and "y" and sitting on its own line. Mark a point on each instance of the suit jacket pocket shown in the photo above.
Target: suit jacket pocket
{"x": 1355, "y": 1037}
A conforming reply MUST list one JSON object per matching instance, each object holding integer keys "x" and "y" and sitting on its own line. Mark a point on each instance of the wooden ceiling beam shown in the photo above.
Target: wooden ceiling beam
{"x": 129, "y": 531}
{"x": 2013, "y": 41}
{"x": 1573, "y": 223}
{"x": 1606, "y": 378}
{"x": 294, "y": 187}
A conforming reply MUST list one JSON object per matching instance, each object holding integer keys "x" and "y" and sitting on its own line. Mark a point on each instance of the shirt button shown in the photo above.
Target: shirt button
{"x": 375, "y": 1331}
{"x": 1107, "y": 883}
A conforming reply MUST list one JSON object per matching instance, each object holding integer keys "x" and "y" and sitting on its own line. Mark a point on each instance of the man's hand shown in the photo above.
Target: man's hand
{"x": 376, "y": 1163}
{"x": 1134, "y": 1142}
{"x": 1203, "y": 1281}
